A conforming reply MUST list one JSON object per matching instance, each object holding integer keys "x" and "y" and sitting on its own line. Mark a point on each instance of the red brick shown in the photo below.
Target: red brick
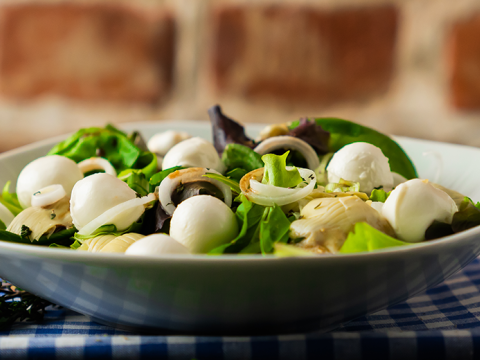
{"x": 464, "y": 51}
{"x": 92, "y": 52}
{"x": 303, "y": 55}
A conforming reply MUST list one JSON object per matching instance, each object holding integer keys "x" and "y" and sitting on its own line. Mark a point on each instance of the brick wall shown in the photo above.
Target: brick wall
{"x": 405, "y": 67}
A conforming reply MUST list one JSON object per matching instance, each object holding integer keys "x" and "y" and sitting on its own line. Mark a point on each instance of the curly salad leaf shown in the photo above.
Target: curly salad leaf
{"x": 109, "y": 143}
{"x": 343, "y": 132}
{"x": 277, "y": 174}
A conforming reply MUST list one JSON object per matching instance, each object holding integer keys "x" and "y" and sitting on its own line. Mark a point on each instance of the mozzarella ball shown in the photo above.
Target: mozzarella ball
{"x": 194, "y": 152}
{"x": 202, "y": 223}
{"x": 363, "y": 163}
{"x": 5, "y": 215}
{"x": 414, "y": 205}
{"x": 46, "y": 171}
{"x": 97, "y": 193}
{"x": 156, "y": 244}
{"x": 162, "y": 142}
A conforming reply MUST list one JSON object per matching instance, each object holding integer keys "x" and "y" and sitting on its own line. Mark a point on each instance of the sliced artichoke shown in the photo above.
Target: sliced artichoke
{"x": 110, "y": 243}
{"x": 43, "y": 221}
{"x": 325, "y": 222}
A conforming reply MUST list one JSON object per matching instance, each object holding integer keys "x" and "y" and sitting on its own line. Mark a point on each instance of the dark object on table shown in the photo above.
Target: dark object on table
{"x": 17, "y": 304}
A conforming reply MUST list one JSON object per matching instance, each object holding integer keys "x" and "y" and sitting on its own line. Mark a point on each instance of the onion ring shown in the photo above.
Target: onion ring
{"x": 269, "y": 195}
{"x": 48, "y": 195}
{"x": 110, "y": 214}
{"x": 170, "y": 183}
{"x": 97, "y": 163}
{"x": 289, "y": 142}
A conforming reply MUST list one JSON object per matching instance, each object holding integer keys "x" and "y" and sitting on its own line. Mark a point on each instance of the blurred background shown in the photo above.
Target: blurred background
{"x": 404, "y": 67}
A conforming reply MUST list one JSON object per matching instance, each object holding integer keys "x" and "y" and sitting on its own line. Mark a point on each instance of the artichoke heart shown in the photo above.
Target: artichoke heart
{"x": 110, "y": 243}
{"x": 43, "y": 221}
{"x": 325, "y": 222}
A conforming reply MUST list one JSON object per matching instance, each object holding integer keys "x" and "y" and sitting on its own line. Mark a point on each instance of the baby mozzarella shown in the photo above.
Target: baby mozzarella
{"x": 94, "y": 195}
{"x": 363, "y": 163}
{"x": 202, "y": 223}
{"x": 157, "y": 244}
{"x": 414, "y": 205}
{"x": 46, "y": 171}
{"x": 194, "y": 152}
{"x": 160, "y": 143}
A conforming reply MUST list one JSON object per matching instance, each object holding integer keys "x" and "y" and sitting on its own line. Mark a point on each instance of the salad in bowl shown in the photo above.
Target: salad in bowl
{"x": 312, "y": 187}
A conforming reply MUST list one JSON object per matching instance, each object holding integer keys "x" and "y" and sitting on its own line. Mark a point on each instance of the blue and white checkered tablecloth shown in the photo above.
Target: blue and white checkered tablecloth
{"x": 442, "y": 323}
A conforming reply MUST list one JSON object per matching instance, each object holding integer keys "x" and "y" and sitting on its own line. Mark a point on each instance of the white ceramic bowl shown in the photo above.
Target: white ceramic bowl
{"x": 242, "y": 294}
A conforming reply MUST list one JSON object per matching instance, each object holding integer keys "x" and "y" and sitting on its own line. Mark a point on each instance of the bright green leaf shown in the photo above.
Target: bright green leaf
{"x": 276, "y": 173}
{"x": 366, "y": 238}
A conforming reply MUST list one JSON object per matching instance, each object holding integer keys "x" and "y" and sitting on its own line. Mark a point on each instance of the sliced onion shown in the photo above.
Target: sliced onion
{"x": 172, "y": 181}
{"x": 289, "y": 142}
{"x": 97, "y": 163}
{"x": 269, "y": 195}
{"x": 48, "y": 195}
{"x": 108, "y": 216}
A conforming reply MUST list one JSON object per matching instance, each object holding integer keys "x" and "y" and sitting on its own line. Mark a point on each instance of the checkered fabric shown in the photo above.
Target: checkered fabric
{"x": 441, "y": 323}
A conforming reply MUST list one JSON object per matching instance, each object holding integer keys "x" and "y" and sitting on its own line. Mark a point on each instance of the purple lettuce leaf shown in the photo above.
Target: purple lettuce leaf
{"x": 312, "y": 134}
{"x": 227, "y": 131}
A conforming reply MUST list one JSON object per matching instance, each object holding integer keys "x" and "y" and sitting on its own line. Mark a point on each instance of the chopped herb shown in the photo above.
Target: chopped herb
{"x": 53, "y": 215}
{"x": 36, "y": 193}
{"x": 25, "y": 231}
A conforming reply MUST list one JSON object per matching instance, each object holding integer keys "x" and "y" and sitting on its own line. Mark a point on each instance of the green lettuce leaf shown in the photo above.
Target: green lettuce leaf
{"x": 61, "y": 237}
{"x": 156, "y": 179}
{"x": 468, "y": 216}
{"x": 274, "y": 228}
{"x": 248, "y": 216}
{"x": 343, "y": 132}
{"x": 366, "y": 238}
{"x": 276, "y": 173}
{"x": 111, "y": 229}
{"x": 10, "y": 200}
{"x": 2, "y": 225}
{"x": 379, "y": 195}
{"x": 236, "y": 174}
{"x": 147, "y": 163}
{"x": 234, "y": 186}
{"x": 136, "y": 180}
{"x": 242, "y": 157}
{"x": 11, "y": 237}
{"x": 107, "y": 142}
{"x": 260, "y": 229}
